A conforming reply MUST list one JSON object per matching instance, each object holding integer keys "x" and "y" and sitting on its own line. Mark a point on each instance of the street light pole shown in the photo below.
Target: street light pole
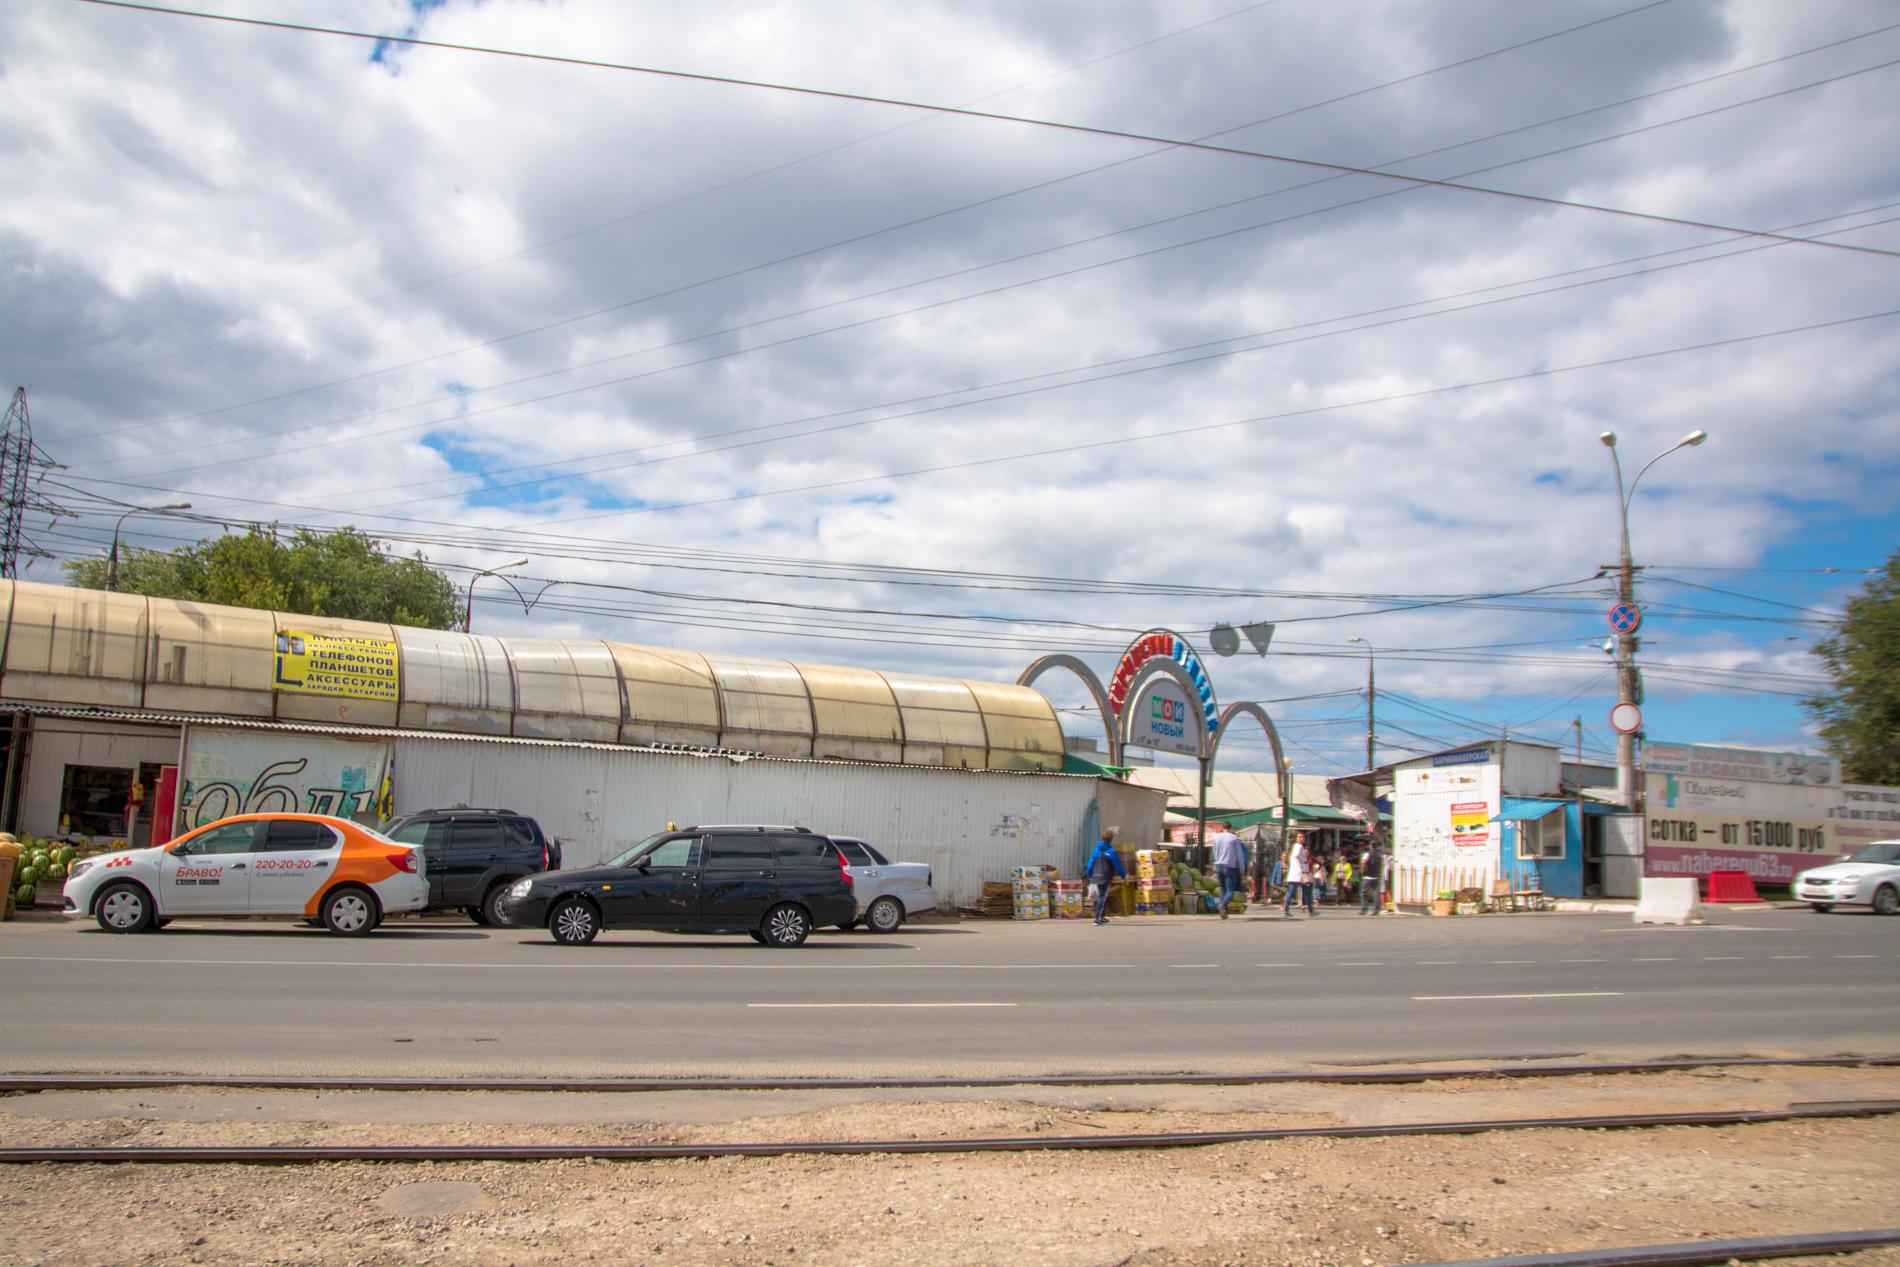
{"x": 1371, "y": 694}
{"x": 112, "y": 560}
{"x": 468, "y": 618}
{"x": 1627, "y": 643}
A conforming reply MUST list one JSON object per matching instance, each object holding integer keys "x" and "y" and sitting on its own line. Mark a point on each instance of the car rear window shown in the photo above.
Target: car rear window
{"x": 520, "y": 832}
{"x": 734, "y": 852}
{"x": 856, "y": 854}
{"x": 805, "y": 850}
{"x": 285, "y": 835}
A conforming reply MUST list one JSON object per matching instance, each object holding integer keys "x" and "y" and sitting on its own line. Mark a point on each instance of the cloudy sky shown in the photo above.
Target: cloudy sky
{"x": 835, "y": 380}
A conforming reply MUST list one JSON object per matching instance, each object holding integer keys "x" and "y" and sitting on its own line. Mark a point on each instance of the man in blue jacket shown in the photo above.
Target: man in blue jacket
{"x": 1101, "y": 864}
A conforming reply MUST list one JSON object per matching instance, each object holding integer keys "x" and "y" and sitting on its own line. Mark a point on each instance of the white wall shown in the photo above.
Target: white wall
{"x": 58, "y": 742}
{"x": 967, "y": 825}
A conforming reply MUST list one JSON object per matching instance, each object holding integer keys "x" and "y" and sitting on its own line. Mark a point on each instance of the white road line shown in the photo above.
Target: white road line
{"x": 1579, "y": 961}
{"x": 1513, "y": 961}
{"x": 837, "y": 1005}
{"x": 1276, "y": 965}
{"x": 1579, "y": 994}
{"x": 1194, "y": 965}
{"x": 1721, "y": 958}
{"x": 569, "y": 964}
{"x": 1437, "y": 963}
{"x": 1857, "y": 956}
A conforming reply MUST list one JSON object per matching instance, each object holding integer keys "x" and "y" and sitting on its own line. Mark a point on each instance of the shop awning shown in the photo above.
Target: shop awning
{"x": 1518, "y": 809}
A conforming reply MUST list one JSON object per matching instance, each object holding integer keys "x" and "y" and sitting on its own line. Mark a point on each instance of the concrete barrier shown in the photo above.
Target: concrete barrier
{"x": 1669, "y": 900}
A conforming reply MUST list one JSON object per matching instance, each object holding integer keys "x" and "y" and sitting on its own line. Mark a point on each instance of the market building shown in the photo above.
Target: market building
{"x": 135, "y": 717}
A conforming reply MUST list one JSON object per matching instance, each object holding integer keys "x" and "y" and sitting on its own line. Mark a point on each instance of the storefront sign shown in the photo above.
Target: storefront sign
{"x": 1162, "y": 719}
{"x": 1161, "y": 642}
{"x": 1707, "y": 761}
{"x": 229, "y": 772}
{"x": 1469, "y": 822}
{"x": 1464, "y": 756}
{"x": 324, "y": 664}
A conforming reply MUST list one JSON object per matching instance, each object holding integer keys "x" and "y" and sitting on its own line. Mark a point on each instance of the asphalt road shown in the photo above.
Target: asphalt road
{"x": 1148, "y": 995}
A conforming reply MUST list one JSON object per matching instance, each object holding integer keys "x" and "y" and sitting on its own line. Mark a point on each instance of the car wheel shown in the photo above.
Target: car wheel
{"x": 885, "y": 916}
{"x": 786, "y": 926}
{"x": 1886, "y": 900}
{"x": 123, "y": 908}
{"x": 1823, "y": 907}
{"x": 756, "y": 935}
{"x": 491, "y": 905}
{"x": 349, "y": 911}
{"x": 477, "y": 913}
{"x": 574, "y": 922}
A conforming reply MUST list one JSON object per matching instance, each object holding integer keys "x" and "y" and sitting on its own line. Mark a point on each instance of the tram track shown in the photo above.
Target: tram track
{"x": 1699, "y": 1253}
{"x": 30, "y": 1083}
{"x": 268, "y": 1155}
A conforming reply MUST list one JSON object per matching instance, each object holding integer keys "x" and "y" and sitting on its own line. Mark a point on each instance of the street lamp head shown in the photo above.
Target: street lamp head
{"x": 1609, "y": 439}
{"x": 174, "y": 506}
{"x": 1694, "y": 437}
{"x": 1357, "y": 638}
{"x": 518, "y": 563}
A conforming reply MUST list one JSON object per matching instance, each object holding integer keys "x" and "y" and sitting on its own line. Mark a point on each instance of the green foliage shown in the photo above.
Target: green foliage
{"x": 345, "y": 574}
{"x": 1860, "y": 718}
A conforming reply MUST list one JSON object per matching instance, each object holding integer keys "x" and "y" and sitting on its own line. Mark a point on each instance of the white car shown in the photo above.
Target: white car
{"x": 887, "y": 891}
{"x": 323, "y": 869}
{"x": 1868, "y": 877}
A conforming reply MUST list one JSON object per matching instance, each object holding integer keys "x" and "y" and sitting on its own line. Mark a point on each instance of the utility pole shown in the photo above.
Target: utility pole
{"x": 1371, "y": 694}
{"x": 1626, "y": 641}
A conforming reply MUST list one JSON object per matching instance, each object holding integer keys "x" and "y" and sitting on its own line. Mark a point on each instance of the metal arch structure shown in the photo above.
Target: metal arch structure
{"x": 1111, "y": 724}
{"x": 1247, "y": 708}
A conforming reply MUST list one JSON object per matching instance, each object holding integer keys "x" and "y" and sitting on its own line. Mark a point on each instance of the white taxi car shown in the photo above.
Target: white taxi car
{"x": 310, "y": 865}
{"x": 1870, "y": 876}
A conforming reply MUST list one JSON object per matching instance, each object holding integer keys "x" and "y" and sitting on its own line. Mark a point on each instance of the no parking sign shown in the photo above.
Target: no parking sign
{"x": 1626, "y": 618}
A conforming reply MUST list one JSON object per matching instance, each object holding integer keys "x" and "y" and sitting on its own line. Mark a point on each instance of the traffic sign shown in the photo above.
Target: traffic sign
{"x": 1626, "y": 719}
{"x": 1626, "y": 618}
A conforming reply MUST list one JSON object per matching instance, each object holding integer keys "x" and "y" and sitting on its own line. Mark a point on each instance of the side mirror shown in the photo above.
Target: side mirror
{"x": 644, "y": 865}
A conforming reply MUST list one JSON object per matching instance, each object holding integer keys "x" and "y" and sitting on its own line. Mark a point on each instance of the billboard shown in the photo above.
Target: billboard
{"x": 1163, "y": 720}
{"x": 1710, "y": 761}
{"x": 325, "y": 664}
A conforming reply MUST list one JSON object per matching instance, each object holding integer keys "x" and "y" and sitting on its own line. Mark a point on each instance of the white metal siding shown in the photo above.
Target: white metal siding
{"x": 968, "y": 826}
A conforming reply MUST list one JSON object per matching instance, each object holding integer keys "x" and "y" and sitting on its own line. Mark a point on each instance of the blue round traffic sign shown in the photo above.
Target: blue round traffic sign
{"x": 1625, "y": 617}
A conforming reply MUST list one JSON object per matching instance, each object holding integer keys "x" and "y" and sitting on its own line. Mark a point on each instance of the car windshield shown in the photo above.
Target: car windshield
{"x": 1884, "y": 851}
{"x": 621, "y": 860}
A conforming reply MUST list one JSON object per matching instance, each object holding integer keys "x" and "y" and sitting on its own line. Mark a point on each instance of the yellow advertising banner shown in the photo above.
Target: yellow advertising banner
{"x": 324, "y": 664}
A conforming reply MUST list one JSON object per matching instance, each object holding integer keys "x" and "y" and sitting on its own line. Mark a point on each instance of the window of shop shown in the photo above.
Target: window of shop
{"x": 92, "y": 799}
{"x": 1541, "y": 837}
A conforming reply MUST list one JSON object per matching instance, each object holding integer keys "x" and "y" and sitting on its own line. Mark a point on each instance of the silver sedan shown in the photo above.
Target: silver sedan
{"x": 887, "y": 891}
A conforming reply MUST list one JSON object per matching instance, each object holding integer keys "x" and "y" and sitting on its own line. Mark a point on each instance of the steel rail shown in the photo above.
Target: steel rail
{"x": 32, "y": 1082}
{"x": 1698, "y": 1253}
{"x": 271, "y": 1154}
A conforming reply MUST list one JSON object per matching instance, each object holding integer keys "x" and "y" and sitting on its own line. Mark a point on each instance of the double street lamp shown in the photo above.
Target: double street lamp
{"x": 468, "y": 619}
{"x": 1626, "y": 642}
{"x": 112, "y": 561}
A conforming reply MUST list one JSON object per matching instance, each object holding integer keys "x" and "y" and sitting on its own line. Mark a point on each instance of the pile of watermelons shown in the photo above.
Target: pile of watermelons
{"x": 39, "y": 860}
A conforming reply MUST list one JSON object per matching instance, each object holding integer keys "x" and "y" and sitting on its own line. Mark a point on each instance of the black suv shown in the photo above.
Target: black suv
{"x": 473, "y": 855}
{"x": 774, "y": 883}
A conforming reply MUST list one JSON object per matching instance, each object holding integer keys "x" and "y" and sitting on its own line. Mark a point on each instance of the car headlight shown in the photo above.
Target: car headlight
{"x": 520, "y": 887}
{"x": 78, "y": 869}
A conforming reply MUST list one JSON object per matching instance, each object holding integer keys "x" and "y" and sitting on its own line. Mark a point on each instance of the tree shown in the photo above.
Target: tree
{"x": 1860, "y": 718}
{"x": 346, "y": 574}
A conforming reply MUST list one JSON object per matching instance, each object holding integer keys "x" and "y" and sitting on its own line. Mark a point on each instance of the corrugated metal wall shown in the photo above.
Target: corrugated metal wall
{"x": 969, "y": 826}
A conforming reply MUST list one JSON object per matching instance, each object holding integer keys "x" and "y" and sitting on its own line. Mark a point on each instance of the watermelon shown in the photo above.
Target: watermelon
{"x": 29, "y": 876}
{"x": 63, "y": 855}
{"x": 56, "y": 872}
{"x": 23, "y": 896}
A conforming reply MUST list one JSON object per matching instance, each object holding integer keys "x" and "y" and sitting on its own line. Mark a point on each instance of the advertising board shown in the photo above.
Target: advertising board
{"x": 1163, "y": 720}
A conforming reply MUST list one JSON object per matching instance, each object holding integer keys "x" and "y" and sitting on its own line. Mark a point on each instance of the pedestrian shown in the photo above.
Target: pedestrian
{"x": 1372, "y": 870}
{"x": 1342, "y": 878}
{"x": 1101, "y": 864}
{"x": 1299, "y": 877}
{"x": 1230, "y": 861}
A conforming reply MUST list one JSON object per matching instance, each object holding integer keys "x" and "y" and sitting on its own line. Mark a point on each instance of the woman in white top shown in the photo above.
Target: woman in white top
{"x": 1299, "y": 877}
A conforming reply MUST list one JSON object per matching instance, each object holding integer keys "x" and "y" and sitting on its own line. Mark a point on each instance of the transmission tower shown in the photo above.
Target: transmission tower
{"x": 19, "y": 459}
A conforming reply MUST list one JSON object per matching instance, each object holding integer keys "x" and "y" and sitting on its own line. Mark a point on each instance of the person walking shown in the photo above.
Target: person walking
{"x": 1342, "y": 878}
{"x": 1230, "y": 863}
{"x": 1102, "y": 864}
{"x": 1299, "y": 877}
{"x": 1372, "y": 870}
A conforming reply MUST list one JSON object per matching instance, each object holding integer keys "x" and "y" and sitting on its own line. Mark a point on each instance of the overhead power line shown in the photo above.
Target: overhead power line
{"x": 1080, "y": 129}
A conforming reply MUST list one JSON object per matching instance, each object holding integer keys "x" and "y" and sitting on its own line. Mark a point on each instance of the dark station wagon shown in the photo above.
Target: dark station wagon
{"x": 774, "y": 883}
{"x": 473, "y": 855}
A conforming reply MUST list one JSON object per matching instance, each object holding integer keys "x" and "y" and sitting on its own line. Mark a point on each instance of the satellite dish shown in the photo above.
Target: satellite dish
{"x": 1224, "y": 640}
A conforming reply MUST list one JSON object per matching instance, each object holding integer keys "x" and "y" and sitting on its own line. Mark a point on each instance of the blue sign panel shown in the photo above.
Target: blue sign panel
{"x": 1464, "y": 756}
{"x": 1625, "y": 617}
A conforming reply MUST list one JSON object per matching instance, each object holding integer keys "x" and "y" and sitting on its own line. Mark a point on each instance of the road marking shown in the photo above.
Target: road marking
{"x": 1655, "y": 959}
{"x": 1790, "y": 956}
{"x": 1361, "y": 963}
{"x": 1276, "y": 965}
{"x": 1513, "y": 961}
{"x": 1437, "y": 963}
{"x": 570, "y": 965}
{"x": 1857, "y": 956}
{"x": 1579, "y": 961}
{"x": 1721, "y": 958}
{"x": 1194, "y": 965}
{"x": 1579, "y": 994}
{"x": 836, "y": 1005}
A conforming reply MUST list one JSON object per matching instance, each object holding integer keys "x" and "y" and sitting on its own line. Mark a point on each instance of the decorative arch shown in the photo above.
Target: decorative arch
{"x": 1167, "y": 666}
{"x": 1247, "y": 708}
{"x": 1163, "y": 644}
{"x": 1083, "y": 671}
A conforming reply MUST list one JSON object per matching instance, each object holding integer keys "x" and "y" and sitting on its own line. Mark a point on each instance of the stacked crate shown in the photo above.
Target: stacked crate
{"x": 1154, "y": 888}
